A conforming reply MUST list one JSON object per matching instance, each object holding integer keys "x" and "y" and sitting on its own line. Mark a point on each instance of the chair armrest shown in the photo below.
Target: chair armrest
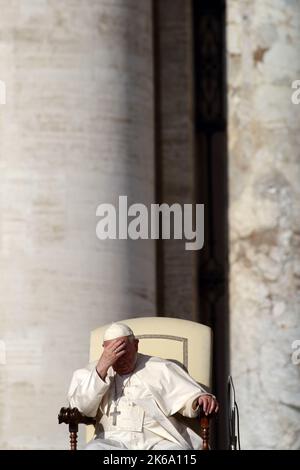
{"x": 73, "y": 418}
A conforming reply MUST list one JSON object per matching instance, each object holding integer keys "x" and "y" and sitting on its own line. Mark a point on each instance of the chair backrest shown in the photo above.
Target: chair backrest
{"x": 184, "y": 341}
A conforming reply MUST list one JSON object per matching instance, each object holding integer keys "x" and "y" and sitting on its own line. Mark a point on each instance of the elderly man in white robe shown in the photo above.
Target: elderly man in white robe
{"x": 134, "y": 397}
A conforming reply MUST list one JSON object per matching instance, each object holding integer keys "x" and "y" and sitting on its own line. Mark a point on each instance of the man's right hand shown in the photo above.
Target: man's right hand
{"x": 111, "y": 353}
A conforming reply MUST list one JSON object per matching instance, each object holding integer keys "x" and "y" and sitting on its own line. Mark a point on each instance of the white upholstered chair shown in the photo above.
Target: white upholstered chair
{"x": 184, "y": 341}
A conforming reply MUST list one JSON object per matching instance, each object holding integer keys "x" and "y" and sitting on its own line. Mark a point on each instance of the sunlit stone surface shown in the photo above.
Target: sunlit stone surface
{"x": 76, "y": 130}
{"x": 264, "y": 173}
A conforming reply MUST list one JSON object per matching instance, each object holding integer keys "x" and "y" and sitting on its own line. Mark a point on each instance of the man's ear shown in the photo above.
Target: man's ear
{"x": 136, "y": 342}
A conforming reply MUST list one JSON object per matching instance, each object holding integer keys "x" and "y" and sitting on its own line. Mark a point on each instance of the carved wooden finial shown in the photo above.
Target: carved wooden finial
{"x": 204, "y": 431}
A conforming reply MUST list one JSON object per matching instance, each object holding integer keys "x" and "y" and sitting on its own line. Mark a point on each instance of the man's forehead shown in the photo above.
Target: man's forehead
{"x": 124, "y": 338}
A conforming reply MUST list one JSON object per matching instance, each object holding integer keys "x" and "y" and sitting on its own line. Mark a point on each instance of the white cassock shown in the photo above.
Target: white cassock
{"x": 135, "y": 411}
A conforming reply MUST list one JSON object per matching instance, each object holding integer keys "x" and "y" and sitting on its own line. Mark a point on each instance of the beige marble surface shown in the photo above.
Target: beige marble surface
{"x": 263, "y": 41}
{"x": 76, "y": 130}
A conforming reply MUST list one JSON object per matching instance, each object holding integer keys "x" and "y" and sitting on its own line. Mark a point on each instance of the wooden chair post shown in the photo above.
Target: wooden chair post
{"x": 73, "y": 430}
{"x": 73, "y": 417}
{"x": 204, "y": 431}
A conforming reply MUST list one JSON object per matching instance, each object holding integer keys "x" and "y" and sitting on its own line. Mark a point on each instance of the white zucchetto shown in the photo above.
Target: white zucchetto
{"x": 115, "y": 330}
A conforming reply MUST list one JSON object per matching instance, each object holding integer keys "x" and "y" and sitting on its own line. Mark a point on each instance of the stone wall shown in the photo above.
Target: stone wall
{"x": 264, "y": 173}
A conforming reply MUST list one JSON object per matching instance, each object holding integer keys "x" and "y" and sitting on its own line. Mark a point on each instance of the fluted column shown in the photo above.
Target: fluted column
{"x": 264, "y": 136}
{"x": 76, "y": 131}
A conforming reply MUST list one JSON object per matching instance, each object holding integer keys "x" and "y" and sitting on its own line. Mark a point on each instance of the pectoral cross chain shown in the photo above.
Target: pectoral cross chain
{"x": 114, "y": 414}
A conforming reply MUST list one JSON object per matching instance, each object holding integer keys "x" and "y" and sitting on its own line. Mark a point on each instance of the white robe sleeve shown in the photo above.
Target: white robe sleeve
{"x": 87, "y": 390}
{"x": 191, "y": 407}
{"x": 176, "y": 391}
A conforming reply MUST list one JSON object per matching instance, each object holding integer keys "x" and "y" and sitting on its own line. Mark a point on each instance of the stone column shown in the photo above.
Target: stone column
{"x": 264, "y": 139}
{"x": 177, "y": 269}
{"x": 76, "y": 131}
